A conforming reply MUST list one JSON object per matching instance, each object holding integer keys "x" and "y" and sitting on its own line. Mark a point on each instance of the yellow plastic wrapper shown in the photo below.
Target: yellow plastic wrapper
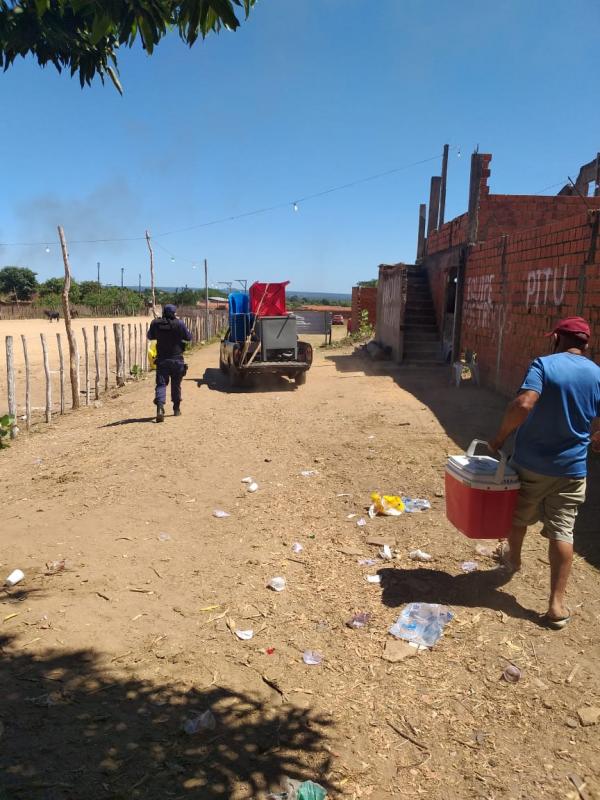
{"x": 388, "y": 505}
{"x": 152, "y": 353}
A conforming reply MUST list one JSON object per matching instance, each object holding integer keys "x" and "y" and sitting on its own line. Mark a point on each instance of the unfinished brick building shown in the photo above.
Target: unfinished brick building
{"x": 496, "y": 278}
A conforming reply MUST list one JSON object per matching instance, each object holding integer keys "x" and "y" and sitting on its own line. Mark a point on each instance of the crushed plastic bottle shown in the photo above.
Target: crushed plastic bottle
{"x": 205, "y": 721}
{"x": 421, "y": 623}
{"x": 220, "y": 514}
{"x": 420, "y": 555}
{"x": 414, "y": 505}
{"x": 277, "y": 584}
{"x": 52, "y": 567}
{"x": 469, "y": 566}
{"x": 309, "y": 473}
{"x": 359, "y": 620}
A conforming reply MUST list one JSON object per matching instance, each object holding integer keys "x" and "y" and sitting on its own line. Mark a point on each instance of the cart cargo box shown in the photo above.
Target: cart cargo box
{"x": 481, "y": 494}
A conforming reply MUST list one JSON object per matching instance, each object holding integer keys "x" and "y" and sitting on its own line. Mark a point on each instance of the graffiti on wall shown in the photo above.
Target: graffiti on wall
{"x": 478, "y": 306}
{"x": 545, "y": 286}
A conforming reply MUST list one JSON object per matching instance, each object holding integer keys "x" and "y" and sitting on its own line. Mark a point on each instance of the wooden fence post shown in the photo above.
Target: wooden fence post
{"x": 106, "y": 362}
{"x": 146, "y": 363}
{"x": 61, "y": 373}
{"x": 96, "y": 364}
{"x": 135, "y": 346}
{"x": 119, "y": 353}
{"x": 124, "y": 354}
{"x": 86, "y": 351}
{"x": 10, "y": 380}
{"x": 48, "y": 379}
{"x": 27, "y": 384}
{"x": 73, "y": 350}
{"x": 77, "y": 369}
{"x": 129, "y": 346}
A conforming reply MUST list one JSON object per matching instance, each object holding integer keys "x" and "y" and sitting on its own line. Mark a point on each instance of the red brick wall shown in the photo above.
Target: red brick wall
{"x": 506, "y": 213}
{"x": 450, "y": 234}
{"x": 363, "y": 297}
{"x": 517, "y": 286}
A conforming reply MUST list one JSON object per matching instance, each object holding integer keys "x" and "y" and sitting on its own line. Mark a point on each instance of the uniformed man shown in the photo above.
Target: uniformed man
{"x": 171, "y": 336}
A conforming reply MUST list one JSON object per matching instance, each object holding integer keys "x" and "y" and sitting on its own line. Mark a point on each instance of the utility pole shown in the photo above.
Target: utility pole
{"x": 443, "y": 185}
{"x": 122, "y": 274}
{"x": 140, "y": 283}
{"x": 98, "y": 266}
{"x": 206, "y": 299}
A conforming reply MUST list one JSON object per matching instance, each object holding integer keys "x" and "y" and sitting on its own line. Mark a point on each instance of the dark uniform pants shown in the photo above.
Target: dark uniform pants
{"x": 172, "y": 369}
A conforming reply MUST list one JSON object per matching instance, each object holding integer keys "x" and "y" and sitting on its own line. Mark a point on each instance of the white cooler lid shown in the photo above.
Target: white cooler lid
{"x": 480, "y": 471}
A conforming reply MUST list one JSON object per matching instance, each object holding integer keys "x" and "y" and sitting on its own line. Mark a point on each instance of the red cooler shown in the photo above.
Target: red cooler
{"x": 481, "y": 494}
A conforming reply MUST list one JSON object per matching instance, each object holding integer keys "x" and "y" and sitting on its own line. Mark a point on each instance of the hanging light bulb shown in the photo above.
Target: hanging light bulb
{"x": 47, "y": 249}
{"x": 295, "y": 206}
{"x": 458, "y": 154}
{"x": 172, "y": 258}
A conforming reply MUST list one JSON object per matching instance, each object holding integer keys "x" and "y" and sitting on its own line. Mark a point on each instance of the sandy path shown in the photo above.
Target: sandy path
{"x": 103, "y": 663}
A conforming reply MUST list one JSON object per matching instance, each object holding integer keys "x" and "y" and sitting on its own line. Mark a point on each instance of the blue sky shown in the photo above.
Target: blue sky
{"x": 305, "y": 96}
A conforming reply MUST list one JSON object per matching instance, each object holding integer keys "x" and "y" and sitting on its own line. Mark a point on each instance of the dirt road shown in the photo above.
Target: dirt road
{"x": 102, "y": 664}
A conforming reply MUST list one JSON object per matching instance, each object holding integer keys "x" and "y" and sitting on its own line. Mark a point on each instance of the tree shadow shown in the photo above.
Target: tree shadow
{"x": 131, "y": 421}
{"x": 471, "y": 589}
{"x": 218, "y": 381}
{"x": 73, "y": 732}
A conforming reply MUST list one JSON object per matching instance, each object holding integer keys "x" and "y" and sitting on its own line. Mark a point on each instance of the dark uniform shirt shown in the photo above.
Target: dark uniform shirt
{"x": 170, "y": 335}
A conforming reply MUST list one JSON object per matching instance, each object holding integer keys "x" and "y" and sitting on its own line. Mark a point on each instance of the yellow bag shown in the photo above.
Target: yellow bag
{"x": 387, "y": 506}
{"x": 152, "y": 353}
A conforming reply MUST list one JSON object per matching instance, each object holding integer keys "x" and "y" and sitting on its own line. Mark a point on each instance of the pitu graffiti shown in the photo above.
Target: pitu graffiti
{"x": 545, "y": 286}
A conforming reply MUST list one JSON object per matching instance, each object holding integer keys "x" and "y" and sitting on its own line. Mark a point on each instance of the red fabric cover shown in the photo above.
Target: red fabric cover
{"x": 268, "y": 299}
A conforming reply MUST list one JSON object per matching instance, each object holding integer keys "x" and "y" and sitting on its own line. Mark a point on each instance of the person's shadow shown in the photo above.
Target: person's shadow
{"x": 471, "y": 589}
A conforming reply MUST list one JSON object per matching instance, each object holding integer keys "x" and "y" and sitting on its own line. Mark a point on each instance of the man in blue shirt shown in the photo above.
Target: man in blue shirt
{"x": 170, "y": 334}
{"x": 556, "y": 417}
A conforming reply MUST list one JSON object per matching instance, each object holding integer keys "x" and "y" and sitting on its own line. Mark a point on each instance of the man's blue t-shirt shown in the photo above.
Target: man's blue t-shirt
{"x": 555, "y": 437}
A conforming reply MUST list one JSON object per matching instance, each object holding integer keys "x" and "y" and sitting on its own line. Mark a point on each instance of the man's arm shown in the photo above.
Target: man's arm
{"x": 515, "y": 415}
{"x": 185, "y": 334}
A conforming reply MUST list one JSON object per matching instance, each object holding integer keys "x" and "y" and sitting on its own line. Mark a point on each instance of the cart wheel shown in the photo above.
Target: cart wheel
{"x": 236, "y": 379}
{"x": 222, "y": 365}
{"x": 300, "y": 378}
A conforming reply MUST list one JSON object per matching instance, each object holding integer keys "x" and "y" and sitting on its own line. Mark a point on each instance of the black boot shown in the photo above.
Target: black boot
{"x": 176, "y": 410}
{"x": 160, "y": 413}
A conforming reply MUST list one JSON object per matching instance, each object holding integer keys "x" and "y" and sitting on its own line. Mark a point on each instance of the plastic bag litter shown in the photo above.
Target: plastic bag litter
{"x": 52, "y": 567}
{"x": 420, "y": 555}
{"x": 373, "y": 578}
{"x": 469, "y": 566}
{"x": 361, "y": 522}
{"x": 388, "y": 505}
{"x": 414, "y": 505}
{"x": 367, "y": 562}
{"x": 245, "y": 636}
{"x": 164, "y": 537}
{"x": 309, "y": 473}
{"x": 297, "y": 547}
{"x": 312, "y": 658}
{"x": 220, "y": 514}
{"x": 277, "y": 584}
{"x": 359, "y": 620}
{"x": 484, "y": 550}
{"x": 300, "y": 790}
{"x": 246, "y": 480}
{"x": 205, "y": 721}
{"x": 421, "y": 623}
{"x": 386, "y": 552}
{"x": 253, "y": 487}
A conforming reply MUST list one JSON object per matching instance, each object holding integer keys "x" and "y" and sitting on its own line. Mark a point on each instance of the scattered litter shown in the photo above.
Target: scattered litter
{"x": 351, "y": 516}
{"x": 299, "y": 790}
{"x": 439, "y": 493}
{"x": 420, "y": 555}
{"x": 164, "y": 537}
{"x": 244, "y": 635}
{"x": 344, "y": 494}
{"x": 297, "y": 547}
{"x": 386, "y": 552}
{"x": 397, "y": 650}
{"x": 484, "y": 550}
{"x": 414, "y": 505}
{"x": 359, "y": 620}
{"x": 219, "y": 514}
{"x": 512, "y": 674}
{"x": 253, "y": 487}
{"x": 277, "y": 584}
{"x": 469, "y": 566}
{"x": 247, "y": 480}
{"x": 361, "y": 522}
{"x": 52, "y": 567}
{"x": 421, "y": 623}
{"x": 387, "y": 506}
{"x": 373, "y": 578}
{"x": 367, "y": 562}
{"x": 588, "y": 715}
{"x": 269, "y": 651}
{"x": 205, "y": 721}
{"x": 309, "y": 473}
{"x": 15, "y": 576}
{"x": 312, "y": 658}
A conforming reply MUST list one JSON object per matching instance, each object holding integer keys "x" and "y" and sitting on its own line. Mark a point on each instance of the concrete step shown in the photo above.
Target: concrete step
{"x": 418, "y": 319}
{"x": 411, "y": 335}
{"x": 422, "y": 347}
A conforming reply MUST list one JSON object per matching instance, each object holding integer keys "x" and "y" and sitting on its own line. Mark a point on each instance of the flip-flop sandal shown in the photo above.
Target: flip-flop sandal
{"x": 502, "y": 554}
{"x": 557, "y": 624}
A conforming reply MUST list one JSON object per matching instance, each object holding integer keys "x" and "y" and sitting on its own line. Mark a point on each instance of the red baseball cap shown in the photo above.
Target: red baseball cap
{"x": 574, "y": 325}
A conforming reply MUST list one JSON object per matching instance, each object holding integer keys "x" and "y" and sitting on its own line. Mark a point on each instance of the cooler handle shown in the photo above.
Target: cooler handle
{"x": 499, "y": 475}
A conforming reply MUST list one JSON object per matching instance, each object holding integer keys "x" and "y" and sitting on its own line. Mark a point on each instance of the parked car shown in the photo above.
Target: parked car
{"x": 337, "y": 319}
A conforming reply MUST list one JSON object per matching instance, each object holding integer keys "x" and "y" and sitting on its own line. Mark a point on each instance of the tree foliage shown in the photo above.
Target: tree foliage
{"x": 19, "y": 283}
{"x": 84, "y": 36}
{"x": 370, "y": 284}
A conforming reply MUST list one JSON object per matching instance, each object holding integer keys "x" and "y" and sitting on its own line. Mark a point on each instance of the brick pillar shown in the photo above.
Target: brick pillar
{"x": 434, "y": 204}
{"x": 421, "y": 239}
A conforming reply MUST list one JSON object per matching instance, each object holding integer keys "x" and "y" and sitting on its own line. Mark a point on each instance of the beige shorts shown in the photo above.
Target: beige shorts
{"x": 553, "y": 501}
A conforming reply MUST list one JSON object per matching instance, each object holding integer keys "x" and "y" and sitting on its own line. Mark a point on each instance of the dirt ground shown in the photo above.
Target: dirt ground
{"x": 31, "y": 329}
{"x": 103, "y": 663}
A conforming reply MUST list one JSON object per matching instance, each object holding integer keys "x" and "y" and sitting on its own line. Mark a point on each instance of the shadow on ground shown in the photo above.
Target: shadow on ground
{"x": 217, "y": 381}
{"x": 471, "y": 412}
{"x": 72, "y": 733}
{"x": 131, "y": 421}
{"x": 472, "y": 589}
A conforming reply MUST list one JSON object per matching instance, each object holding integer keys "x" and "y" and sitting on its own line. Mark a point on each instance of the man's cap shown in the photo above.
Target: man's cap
{"x": 169, "y": 310}
{"x": 576, "y": 326}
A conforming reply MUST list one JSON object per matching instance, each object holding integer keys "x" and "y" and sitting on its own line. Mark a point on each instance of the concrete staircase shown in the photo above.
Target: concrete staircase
{"x": 422, "y": 346}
